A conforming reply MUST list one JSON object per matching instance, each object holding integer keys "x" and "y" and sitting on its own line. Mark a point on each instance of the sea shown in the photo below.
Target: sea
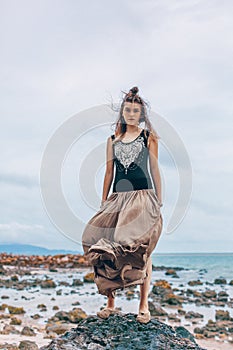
{"x": 213, "y": 265}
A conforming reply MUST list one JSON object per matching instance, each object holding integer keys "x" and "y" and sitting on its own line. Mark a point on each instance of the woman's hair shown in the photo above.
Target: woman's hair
{"x": 133, "y": 97}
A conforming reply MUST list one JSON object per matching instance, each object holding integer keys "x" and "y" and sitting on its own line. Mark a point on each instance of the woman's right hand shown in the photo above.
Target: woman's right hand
{"x": 102, "y": 203}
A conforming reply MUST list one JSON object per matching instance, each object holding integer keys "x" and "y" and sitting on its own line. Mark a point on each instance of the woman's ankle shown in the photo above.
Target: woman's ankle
{"x": 143, "y": 307}
{"x": 110, "y": 306}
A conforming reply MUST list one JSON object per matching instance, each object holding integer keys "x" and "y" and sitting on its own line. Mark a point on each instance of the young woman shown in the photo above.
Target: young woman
{"x": 119, "y": 239}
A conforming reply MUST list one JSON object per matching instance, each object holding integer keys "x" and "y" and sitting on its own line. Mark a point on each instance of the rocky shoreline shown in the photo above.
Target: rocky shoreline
{"x": 42, "y": 302}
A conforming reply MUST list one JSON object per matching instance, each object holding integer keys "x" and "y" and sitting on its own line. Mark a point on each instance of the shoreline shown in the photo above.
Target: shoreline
{"x": 85, "y": 296}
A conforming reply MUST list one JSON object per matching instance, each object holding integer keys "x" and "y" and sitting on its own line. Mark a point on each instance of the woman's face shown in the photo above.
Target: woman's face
{"x": 132, "y": 113}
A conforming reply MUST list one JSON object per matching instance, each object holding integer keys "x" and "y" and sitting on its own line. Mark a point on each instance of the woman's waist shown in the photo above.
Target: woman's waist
{"x": 130, "y": 175}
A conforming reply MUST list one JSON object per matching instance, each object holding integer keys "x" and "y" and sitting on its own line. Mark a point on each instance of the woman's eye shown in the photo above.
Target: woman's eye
{"x": 135, "y": 110}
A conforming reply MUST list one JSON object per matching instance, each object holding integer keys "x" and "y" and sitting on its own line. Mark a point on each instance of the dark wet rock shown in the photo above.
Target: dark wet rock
{"x": 171, "y": 272}
{"x": 171, "y": 299}
{"x": 89, "y": 277}
{"x": 28, "y": 331}
{"x": 3, "y": 307}
{"x": 73, "y": 291}
{"x": 231, "y": 283}
{"x": 161, "y": 287}
{"x": 48, "y": 283}
{"x": 207, "y": 297}
{"x": 7, "y": 346}
{"x": 15, "y": 321}
{"x": 73, "y": 316}
{"x": 198, "y": 330}
{"x": 59, "y": 316}
{"x": 162, "y": 292}
{"x": 209, "y": 294}
{"x": 197, "y": 294}
{"x": 174, "y": 317}
{"x": 36, "y": 316}
{"x": 222, "y": 315}
{"x": 156, "y": 309}
{"x": 130, "y": 293}
{"x": 15, "y": 310}
{"x": 20, "y": 284}
{"x": 2, "y": 270}
{"x": 52, "y": 269}
{"x": 191, "y": 292}
{"x": 64, "y": 283}
{"x": 57, "y": 328}
{"x": 76, "y": 315}
{"x": 14, "y": 278}
{"x": 7, "y": 329}
{"x": 28, "y": 345}
{"x": 122, "y": 333}
{"x": 45, "y": 261}
{"x": 220, "y": 280}
{"x": 209, "y": 283}
{"x": 213, "y": 329}
{"x": 195, "y": 283}
{"x": 42, "y": 307}
{"x": 163, "y": 268}
{"x": 5, "y": 297}
{"x": 184, "y": 333}
{"x": 181, "y": 311}
{"x": 77, "y": 282}
{"x": 55, "y": 307}
{"x": 192, "y": 314}
{"x": 223, "y": 296}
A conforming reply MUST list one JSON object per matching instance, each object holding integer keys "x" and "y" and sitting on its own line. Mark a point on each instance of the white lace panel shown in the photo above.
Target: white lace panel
{"x": 127, "y": 153}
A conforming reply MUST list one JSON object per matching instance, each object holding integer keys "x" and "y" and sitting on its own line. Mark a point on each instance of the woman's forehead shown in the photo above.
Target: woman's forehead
{"x": 132, "y": 105}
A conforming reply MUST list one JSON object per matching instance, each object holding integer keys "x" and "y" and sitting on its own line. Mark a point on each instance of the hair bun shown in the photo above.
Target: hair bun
{"x": 134, "y": 90}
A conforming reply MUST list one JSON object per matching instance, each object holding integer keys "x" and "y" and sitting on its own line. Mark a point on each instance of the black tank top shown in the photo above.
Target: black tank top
{"x": 130, "y": 159}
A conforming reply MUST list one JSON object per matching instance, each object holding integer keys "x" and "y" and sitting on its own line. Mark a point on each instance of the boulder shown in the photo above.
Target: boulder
{"x": 123, "y": 332}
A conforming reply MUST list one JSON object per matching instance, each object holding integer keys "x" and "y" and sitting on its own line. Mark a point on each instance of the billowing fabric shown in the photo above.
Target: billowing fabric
{"x": 120, "y": 237}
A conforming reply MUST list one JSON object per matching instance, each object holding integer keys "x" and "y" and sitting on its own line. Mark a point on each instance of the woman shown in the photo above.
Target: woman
{"x": 119, "y": 239}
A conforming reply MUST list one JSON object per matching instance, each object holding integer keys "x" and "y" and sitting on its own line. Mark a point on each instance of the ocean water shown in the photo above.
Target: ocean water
{"x": 214, "y": 264}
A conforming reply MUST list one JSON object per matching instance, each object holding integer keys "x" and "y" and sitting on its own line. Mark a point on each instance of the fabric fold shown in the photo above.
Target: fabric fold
{"x": 120, "y": 237}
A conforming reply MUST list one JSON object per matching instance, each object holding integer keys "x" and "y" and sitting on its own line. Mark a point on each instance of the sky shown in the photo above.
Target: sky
{"x": 61, "y": 58}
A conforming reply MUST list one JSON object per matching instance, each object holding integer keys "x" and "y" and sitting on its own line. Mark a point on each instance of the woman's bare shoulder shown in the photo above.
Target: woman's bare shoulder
{"x": 152, "y": 139}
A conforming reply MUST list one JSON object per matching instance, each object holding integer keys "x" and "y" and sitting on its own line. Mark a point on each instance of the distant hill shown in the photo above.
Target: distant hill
{"x": 28, "y": 249}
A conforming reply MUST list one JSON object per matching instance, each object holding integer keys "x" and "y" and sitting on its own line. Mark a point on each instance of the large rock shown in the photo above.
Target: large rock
{"x": 28, "y": 345}
{"x": 123, "y": 333}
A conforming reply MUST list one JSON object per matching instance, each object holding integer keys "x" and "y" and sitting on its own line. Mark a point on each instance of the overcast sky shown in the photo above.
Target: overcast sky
{"x": 59, "y": 58}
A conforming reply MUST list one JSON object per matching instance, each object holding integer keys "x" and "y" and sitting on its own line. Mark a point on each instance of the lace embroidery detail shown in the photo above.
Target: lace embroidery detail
{"x": 127, "y": 153}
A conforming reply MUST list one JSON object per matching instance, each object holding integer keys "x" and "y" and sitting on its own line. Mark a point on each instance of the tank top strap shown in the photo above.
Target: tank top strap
{"x": 112, "y": 136}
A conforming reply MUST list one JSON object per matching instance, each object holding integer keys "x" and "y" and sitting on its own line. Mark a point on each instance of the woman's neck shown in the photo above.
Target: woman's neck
{"x": 132, "y": 129}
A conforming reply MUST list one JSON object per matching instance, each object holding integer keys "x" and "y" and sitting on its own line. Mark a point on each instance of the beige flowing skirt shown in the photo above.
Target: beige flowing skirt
{"x": 120, "y": 237}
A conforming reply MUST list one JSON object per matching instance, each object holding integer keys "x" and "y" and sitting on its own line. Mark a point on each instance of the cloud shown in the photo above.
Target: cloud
{"x": 18, "y": 180}
{"x": 58, "y": 60}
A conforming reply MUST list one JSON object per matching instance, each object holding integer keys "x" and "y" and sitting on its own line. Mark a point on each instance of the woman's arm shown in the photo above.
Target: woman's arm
{"x": 109, "y": 169}
{"x": 154, "y": 167}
